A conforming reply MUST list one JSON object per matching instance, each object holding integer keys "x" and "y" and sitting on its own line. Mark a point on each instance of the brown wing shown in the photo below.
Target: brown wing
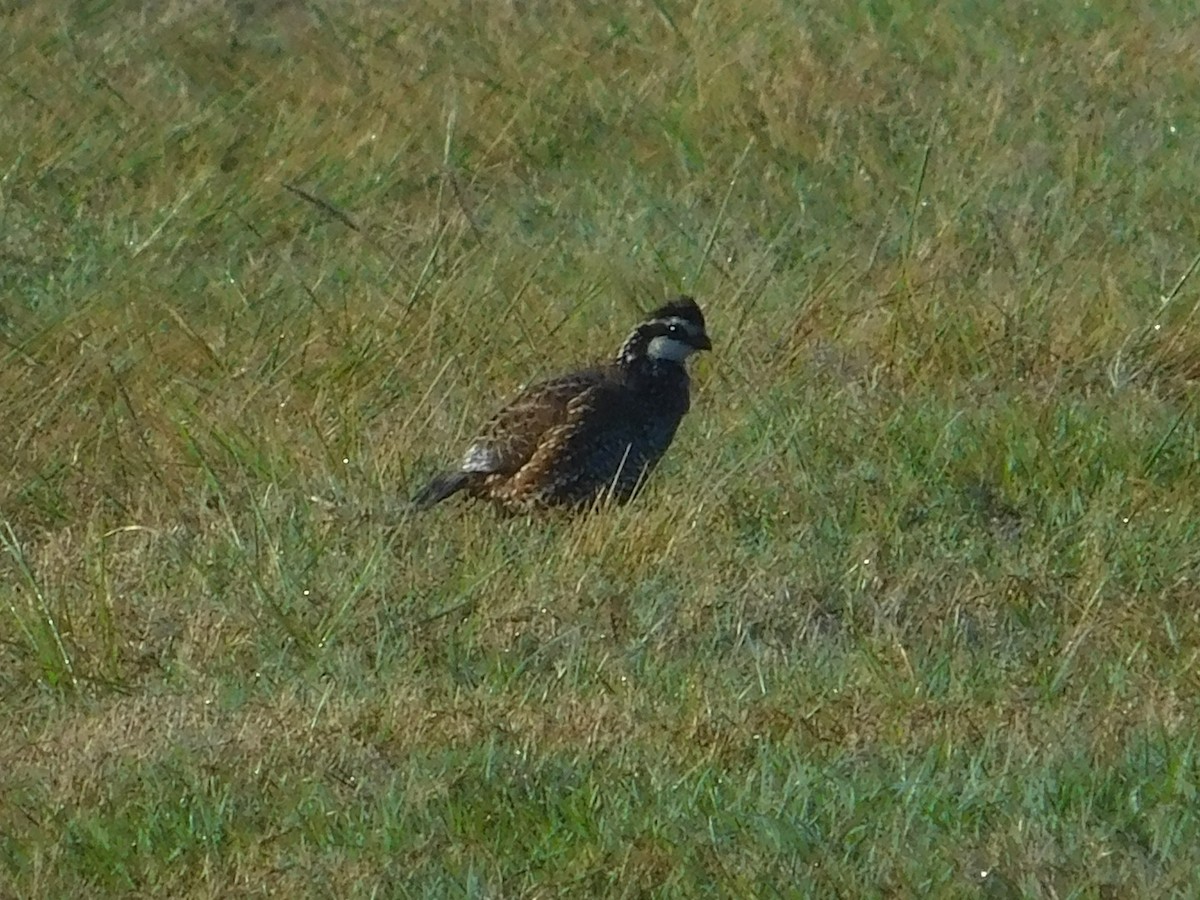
{"x": 599, "y": 446}
{"x": 510, "y": 439}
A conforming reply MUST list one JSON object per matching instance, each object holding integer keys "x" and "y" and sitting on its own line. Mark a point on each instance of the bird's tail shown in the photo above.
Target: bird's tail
{"x": 441, "y": 487}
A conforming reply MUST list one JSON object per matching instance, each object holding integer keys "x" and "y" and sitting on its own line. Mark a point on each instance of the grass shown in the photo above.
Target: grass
{"x": 909, "y": 610}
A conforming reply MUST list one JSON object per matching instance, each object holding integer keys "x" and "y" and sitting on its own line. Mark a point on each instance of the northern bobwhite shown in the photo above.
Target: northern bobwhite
{"x": 593, "y": 433}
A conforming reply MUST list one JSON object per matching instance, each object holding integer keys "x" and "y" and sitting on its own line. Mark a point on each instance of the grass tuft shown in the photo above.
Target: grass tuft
{"x": 910, "y": 608}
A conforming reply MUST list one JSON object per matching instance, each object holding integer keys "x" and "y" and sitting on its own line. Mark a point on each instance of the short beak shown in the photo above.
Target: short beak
{"x": 703, "y": 343}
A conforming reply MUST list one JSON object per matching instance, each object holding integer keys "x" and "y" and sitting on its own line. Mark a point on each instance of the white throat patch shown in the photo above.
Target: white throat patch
{"x": 665, "y": 347}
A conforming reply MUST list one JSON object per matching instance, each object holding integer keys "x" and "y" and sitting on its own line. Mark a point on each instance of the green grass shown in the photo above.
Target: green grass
{"x": 909, "y": 610}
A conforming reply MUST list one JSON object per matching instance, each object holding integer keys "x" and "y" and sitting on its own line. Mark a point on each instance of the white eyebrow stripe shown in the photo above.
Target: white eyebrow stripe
{"x": 690, "y": 327}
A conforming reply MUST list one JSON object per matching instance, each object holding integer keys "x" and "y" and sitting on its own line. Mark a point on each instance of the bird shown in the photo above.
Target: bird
{"x": 587, "y": 435}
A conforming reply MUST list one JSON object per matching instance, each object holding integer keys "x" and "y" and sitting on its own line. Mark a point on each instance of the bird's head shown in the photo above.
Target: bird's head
{"x": 671, "y": 333}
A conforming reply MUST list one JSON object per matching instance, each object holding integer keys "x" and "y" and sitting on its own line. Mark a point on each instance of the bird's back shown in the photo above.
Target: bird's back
{"x": 612, "y": 434}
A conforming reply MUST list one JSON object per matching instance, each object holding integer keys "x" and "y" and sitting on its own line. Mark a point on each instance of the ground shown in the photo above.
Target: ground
{"x": 911, "y": 607}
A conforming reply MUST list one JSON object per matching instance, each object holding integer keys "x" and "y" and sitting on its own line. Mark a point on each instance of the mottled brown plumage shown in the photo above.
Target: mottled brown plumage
{"x": 588, "y": 434}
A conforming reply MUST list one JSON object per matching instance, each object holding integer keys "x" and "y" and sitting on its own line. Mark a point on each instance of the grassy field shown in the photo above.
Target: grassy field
{"x": 911, "y": 609}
